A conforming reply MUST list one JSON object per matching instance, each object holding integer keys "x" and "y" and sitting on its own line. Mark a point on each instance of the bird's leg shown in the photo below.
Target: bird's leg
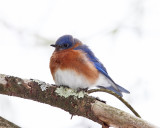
{"x": 82, "y": 89}
{"x": 64, "y": 86}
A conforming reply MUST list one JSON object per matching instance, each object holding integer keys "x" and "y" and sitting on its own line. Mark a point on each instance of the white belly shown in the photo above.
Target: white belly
{"x": 71, "y": 78}
{"x": 74, "y": 80}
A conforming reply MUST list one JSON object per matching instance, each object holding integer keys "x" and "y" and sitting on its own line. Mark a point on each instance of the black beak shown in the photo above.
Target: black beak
{"x": 53, "y": 45}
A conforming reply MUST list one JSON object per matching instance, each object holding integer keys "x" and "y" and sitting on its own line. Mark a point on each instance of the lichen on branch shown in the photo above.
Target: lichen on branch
{"x": 76, "y": 103}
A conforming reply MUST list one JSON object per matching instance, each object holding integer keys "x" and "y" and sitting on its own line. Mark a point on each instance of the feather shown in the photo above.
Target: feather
{"x": 99, "y": 66}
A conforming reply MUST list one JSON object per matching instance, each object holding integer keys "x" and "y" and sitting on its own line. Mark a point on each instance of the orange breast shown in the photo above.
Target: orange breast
{"x": 74, "y": 60}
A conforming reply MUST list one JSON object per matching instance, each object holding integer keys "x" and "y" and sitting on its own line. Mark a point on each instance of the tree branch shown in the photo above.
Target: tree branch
{"x": 6, "y": 124}
{"x": 117, "y": 96}
{"x": 76, "y": 103}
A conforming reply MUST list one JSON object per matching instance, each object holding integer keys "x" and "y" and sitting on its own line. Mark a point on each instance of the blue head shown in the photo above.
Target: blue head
{"x": 64, "y": 42}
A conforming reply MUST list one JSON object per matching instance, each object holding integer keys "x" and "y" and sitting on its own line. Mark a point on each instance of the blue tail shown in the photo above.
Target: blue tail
{"x": 119, "y": 91}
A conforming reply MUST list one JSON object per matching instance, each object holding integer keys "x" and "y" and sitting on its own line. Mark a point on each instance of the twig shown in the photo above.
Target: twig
{"x": 119, "y": 97}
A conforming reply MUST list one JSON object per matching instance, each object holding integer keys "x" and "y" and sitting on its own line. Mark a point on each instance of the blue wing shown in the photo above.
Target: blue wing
{"x": 99, "y": 66}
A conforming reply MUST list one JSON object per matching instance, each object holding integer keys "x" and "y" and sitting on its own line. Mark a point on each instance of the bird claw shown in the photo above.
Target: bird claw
{"x": 82, "y": 89}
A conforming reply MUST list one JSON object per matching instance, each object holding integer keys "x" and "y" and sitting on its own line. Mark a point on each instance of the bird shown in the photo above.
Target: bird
{"x": 73, "y": 64}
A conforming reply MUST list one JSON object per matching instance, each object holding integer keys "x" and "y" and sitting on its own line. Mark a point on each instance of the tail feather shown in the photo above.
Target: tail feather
{"x": 122, "y": 89}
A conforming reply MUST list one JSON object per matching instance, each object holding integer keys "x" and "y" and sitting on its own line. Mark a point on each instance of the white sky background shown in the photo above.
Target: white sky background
{"x": 124, "y": 35}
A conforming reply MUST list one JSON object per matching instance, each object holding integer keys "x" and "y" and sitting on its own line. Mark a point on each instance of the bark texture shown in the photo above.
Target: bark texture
{"x": 76, "y": 103}
{"x": 7, "y": 124}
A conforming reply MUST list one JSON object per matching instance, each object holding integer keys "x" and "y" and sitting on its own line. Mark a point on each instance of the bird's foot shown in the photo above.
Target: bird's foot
{"x": 82, "y": 89}
{"x": 65, "y": 86}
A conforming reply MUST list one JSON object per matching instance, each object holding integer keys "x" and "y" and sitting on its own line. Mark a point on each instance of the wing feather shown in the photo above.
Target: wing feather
{"x": 99, "y": 66}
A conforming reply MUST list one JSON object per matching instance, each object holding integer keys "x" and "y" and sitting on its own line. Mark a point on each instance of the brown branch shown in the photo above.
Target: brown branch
{"x": 7, "y": 124}
{"x": 116, "y": 95}
{"x": 76, "y": 103}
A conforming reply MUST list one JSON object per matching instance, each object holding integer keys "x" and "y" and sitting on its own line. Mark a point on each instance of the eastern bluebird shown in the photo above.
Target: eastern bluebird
{"x": 73, "y": 64}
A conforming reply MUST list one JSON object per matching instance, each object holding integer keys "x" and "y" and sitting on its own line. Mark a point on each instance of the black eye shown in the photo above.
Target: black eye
{"x": 65, "y": 45}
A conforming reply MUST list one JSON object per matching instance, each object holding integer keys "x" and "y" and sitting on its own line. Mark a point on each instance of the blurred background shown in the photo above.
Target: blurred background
{"x": 124, "y": 35}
